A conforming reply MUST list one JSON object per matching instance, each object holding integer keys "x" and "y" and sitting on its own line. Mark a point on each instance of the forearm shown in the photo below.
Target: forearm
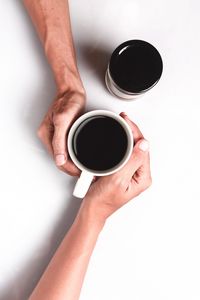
{"x": 64, "y": 276}
{"x": 52, "y": 22}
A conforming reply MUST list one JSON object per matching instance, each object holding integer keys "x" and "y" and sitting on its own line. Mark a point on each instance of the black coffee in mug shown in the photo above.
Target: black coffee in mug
{"x": 100, "y": 143}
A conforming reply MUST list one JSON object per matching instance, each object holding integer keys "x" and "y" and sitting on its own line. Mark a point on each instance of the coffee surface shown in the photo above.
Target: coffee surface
{"x": 100, "y": 143}
{"x": 135, "y": 66}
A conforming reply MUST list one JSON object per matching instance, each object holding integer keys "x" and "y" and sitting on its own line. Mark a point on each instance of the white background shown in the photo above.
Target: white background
{"x": 150, "y": 249}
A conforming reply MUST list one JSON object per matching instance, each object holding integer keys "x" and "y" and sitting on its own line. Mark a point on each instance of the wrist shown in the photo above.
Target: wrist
{"x": 91, "y": 214}
{"x": 69, "y": 80}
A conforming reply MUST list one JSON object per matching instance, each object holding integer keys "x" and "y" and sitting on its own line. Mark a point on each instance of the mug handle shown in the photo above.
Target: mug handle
{"x": 83, "y": 184}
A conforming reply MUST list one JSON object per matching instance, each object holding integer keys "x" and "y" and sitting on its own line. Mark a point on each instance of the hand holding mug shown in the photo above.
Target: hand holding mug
{"x": 109, "y": 193}
{"x": 54, "y": 128}
{"x": 100, "y": 143}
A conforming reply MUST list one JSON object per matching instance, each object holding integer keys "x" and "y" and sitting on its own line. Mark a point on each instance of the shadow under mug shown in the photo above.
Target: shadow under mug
{"x": 87, "y": 175}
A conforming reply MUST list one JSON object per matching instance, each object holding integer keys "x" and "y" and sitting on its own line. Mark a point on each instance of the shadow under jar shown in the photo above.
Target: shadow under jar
{"x": 134, "y": 68}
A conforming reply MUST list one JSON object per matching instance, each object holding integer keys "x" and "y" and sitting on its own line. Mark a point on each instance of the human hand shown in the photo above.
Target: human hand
{"x": 56, "y": 123}
{"x": 109, "y": 193}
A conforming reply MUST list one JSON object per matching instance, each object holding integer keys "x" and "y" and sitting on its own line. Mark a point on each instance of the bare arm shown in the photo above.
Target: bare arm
{"x": 52, "y": 22}
{"x": 64, "y": 276}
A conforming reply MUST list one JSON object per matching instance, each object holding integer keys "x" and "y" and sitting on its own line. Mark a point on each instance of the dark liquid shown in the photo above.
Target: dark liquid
{"x": 135, "y": 66}
{"x": 100, "y": 143}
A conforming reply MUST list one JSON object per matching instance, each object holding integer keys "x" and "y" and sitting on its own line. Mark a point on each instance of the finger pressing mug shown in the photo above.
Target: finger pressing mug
{"x": 100, "y": 143}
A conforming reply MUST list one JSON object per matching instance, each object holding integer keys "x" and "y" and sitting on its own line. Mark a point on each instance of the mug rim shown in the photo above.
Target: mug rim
{"x": 122, "y": 123}
{"x": 115, "y": 54}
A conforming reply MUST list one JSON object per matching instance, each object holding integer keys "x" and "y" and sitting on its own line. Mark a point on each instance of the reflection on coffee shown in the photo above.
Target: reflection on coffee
{"x": 100, "y": 143}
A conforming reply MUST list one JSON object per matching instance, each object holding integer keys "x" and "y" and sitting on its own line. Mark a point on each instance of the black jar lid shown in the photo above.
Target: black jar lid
{"x": 135, "y": 66}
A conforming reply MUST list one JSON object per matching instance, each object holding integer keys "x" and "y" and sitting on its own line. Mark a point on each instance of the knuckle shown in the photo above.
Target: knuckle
{"x": 40, "y": 132}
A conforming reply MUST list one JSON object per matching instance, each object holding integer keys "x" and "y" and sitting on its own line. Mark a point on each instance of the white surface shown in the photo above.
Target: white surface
{"x": 150, "y": 248}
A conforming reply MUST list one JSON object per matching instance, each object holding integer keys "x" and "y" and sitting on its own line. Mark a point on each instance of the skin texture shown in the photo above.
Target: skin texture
{"x": 52, "y": 22}
{"x": 63, "y": 278}
{"x": 65, "y": 273}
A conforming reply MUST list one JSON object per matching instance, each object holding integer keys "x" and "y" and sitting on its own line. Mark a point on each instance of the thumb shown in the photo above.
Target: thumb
{"x": 59, "y": 144}
{"x": 138, "y": 156}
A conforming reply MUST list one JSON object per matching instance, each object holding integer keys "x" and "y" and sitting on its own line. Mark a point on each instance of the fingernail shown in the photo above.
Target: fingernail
{"x": 124, "y": 114}
{"x": 144, "y": 145}
{"x": 60, "y": 159}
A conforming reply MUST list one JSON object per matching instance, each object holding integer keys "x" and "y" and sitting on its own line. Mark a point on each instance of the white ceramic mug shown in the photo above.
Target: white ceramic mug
{"x": 87, "y": 175}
